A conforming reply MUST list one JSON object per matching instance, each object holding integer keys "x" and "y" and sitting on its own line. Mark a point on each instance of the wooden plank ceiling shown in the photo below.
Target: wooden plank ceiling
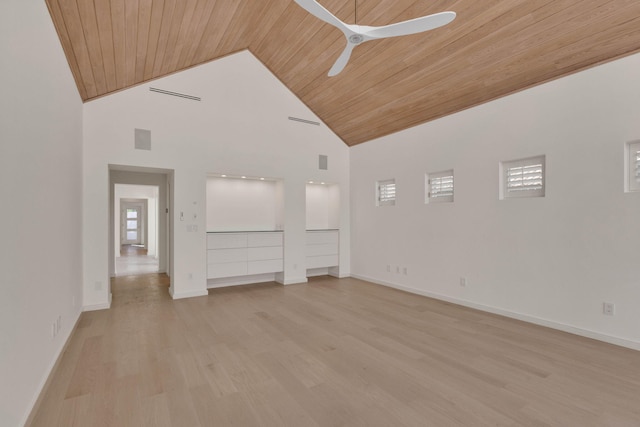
{"x": 493, "y": 48}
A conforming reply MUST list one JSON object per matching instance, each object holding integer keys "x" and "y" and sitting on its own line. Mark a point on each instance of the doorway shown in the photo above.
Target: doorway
{"x": 137, "y": 225}
{"x": 132, "y": 221}
{"x": 140, "y": 221}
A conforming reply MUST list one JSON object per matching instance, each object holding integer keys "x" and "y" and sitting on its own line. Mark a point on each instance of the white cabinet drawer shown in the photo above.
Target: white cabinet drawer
{"x": 268, "y": 252}
{"x": 226, "y": 240}
{"x": 325, "y": 249}
{"x": 264, "y": 239}
{"x": 322, "y": 237}
{"x": 244, "y": 253}
{"x": 226, "y": 255}
{"x": 267, "y": 266}
{"x": 322, "y": 261}
{"x": 228, "y": 269}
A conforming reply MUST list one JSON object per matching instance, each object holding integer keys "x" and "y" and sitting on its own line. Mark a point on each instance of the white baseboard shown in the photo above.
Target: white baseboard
{"x": 341, "y": 275}
{"x": 44, "y": 382}
{"x": 95, "y": 307}
{"x": 190, "y": 294}
{"x": 294, "y": 281}
{"x": 622, "y": 342}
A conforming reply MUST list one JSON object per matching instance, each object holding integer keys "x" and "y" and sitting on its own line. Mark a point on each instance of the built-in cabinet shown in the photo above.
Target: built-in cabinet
{"x": 232, "y": 254}
{"x": 243, "y": 244}
{"x": 322, "y": 248}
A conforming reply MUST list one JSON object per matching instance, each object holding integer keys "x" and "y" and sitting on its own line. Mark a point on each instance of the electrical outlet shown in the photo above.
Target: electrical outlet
{"x": 608, "y": 308}
{"x": 404, "y": 270}
{"x": 53, "y": 330}
{"x": 463, "y": 282}
{"x": 397, "y": 269}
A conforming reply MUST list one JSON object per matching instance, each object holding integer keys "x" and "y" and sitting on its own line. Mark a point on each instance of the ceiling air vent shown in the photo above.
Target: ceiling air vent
{"x": 180, "y": 95}
{"x": 309, "y": 122}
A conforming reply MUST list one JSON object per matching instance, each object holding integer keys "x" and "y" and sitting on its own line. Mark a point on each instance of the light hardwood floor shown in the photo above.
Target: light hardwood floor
{"x": 334, "y": 352}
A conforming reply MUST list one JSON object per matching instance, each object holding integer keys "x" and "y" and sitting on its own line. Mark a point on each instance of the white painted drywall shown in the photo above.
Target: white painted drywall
{"x": 334, "y": 206}
{"x": 317, "y": 207}
{"x": 323, "y": 206}
{"x": 40, "y": 219}
{"x": 235, "y": 204}
{"x": 555, "y": 259}
{"x": 239, "y": 127}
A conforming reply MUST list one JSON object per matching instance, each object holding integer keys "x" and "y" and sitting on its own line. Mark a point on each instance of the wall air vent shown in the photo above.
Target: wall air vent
{"x": 323, "y": 162}
{"x": 142, "y": 139}
{"x": 309, "y": 122}
{"x": 180, "y": 95}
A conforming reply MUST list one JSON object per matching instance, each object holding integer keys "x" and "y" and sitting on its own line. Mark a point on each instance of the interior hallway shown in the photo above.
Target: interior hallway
{"x": 333, "y": 352}
{"x": 133, "y": 260}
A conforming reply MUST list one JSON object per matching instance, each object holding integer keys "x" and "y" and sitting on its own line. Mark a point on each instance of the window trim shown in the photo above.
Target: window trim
{"x": 428, "y": 185}
{"x": 506, "y": 166}
{"x": 381, "y": 190}
{"x": 632, "y": 166}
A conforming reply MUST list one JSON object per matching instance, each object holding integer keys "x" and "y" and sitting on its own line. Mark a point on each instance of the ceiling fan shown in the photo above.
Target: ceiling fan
{"x": 358, "y": 34}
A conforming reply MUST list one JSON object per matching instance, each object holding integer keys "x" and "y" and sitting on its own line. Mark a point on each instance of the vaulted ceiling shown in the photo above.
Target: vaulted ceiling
{"x": 492, "y": 49}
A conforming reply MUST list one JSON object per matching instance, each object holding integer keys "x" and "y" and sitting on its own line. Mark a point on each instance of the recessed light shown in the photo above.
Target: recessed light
{"x": 310, "y": 182}
{"x": 224, "y": 176}
{"x": 261, "y": 179}
{"x": 243, "y": 177}
{"x": 322, "y": 183}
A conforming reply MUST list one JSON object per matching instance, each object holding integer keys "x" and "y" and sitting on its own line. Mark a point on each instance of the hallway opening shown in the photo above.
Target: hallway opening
{"x": 136, "y": 213}
{"x": 135, "y": 260}
{"x": 141, "y": 209}
{"x": 139, "y": 289}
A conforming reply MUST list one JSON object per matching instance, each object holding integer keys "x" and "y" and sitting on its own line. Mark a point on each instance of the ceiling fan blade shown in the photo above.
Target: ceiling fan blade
{"x": 413, "y": 26}
{"x": 342, "y": 60}
{"x": 317, "y": 10}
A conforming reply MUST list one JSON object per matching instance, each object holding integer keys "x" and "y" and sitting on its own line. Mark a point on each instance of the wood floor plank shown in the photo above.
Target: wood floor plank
{"x": 331, "y": 352}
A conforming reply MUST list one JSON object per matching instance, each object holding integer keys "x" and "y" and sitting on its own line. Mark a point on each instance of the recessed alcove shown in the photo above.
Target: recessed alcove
{"x": 245, "y": 240}
{"x": 244, "y": 203}
{"x": 322, "y": 223}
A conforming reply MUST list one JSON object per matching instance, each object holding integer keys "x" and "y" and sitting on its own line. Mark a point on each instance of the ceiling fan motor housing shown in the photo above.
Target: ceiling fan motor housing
{"x": 356, "y": 38}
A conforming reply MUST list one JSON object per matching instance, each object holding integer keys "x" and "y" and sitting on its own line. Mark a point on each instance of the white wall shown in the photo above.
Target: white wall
{"x": 240, "y": 127}
{"x": 553, "y": 260}
{"x": 40, "y": 219}
{"x": 323, "y": 206}
{"x": 317, "y": 207}
{"x": 334, "y": 206}
{"x": 235, "y": 204}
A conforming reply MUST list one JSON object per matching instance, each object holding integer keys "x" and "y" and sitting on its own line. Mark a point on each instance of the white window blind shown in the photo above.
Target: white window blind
{"x": 634, "y": 166}
{"x": 386, "y": 192}
{"x": 523, "y": 178}
{"x": 440, "y": 187}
